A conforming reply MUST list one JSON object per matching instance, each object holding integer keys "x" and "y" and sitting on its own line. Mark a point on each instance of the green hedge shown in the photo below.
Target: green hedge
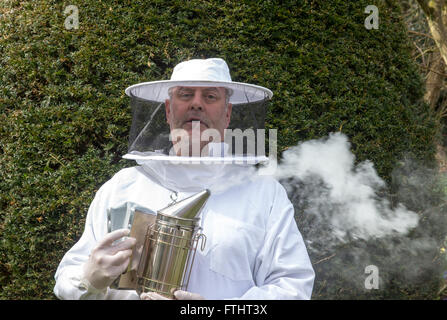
{"x": 64, "y": 117}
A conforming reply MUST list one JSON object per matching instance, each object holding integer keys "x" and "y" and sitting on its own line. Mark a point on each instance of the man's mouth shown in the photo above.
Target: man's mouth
{"x": 193, "y": 119}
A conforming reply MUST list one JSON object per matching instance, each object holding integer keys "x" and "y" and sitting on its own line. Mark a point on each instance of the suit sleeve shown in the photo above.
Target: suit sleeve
{"x": 69, "y": 275}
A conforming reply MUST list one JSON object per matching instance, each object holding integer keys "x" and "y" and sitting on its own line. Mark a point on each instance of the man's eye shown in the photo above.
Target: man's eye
{"x": 185, "y": 95}
{"x": 211, "y": 96}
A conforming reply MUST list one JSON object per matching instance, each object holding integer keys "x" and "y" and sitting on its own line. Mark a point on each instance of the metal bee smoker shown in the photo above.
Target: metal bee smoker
{"x": 170, "y": 246}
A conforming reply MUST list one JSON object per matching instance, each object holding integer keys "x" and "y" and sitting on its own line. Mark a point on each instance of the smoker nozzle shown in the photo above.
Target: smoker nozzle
{"x": 188, "y": 208}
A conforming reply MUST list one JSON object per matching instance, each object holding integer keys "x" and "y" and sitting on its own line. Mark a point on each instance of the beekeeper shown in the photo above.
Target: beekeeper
{"x": 253, "y": 249}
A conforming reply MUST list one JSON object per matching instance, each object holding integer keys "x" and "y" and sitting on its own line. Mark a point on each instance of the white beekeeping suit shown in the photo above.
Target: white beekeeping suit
{"x": 253, "y": 249}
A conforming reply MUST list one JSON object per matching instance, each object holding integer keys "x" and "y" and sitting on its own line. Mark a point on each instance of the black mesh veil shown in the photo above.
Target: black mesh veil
{"x": 150, "y": 134}
{"x": 149, "y": 131}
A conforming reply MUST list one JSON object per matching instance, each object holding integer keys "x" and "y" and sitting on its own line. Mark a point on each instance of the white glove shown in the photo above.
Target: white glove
{"x": 185, "y": 295}
{"x": 108, "y": 260}
{"x": 179, "y": 295}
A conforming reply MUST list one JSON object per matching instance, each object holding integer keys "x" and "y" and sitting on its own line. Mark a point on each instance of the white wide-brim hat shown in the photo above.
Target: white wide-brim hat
{"x": 211, "y": 72}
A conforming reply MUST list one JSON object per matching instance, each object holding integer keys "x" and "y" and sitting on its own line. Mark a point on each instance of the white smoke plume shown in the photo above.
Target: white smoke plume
{"x": 339, "y": 192}
{"x": 351, "y": 219}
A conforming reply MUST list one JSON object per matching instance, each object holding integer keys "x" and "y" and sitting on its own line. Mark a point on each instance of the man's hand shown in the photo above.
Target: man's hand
{"x": 108, "y": 260}
{"x": 178, "y": 295}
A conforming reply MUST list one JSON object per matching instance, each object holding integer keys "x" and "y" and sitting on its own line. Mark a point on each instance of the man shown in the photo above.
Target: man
{"x": 253, "y": 249}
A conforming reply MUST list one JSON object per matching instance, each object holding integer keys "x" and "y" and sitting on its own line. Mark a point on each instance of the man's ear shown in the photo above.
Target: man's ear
{"x": 167, "y": 109}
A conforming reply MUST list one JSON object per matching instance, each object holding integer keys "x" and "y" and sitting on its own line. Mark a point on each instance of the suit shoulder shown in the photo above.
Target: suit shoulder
{"x": 267, "y": 182}
{"x": 126, "y": 173}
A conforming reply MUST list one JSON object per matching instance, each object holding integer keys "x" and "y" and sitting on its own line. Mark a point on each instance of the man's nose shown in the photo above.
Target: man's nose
{"x": 197, "y": 102}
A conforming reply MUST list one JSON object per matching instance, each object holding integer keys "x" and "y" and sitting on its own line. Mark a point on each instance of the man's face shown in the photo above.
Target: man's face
{"x": 204, "y": 104}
